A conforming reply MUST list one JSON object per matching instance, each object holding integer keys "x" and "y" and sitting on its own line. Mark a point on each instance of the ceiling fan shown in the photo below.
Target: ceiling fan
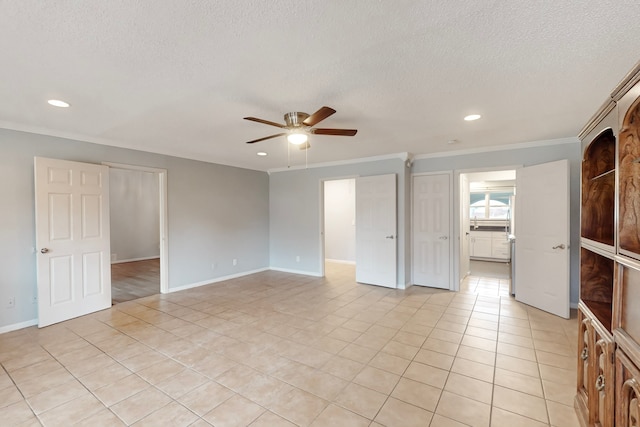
{"x": 298, "y": 126}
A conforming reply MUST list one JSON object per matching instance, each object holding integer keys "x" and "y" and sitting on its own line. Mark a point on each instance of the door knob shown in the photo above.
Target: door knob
{"x": 560, "y": 246}
{"x": 389, "y": 237}
{"x": 44, "y": 250}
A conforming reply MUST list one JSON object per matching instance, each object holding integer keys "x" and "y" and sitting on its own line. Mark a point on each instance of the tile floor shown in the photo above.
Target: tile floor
{"x": 276, "y": 349}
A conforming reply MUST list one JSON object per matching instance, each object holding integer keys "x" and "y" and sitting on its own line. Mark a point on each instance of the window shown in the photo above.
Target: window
{"x": 490, "y": 205}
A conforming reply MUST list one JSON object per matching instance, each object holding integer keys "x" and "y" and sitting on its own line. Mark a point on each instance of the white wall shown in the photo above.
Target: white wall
{"x": 340, "y": 220}
{"x": 526, "y": 156}
{"x": 294, "y": 213}
{"x": 134, "y": 206}
{"x": 215, "y": 213}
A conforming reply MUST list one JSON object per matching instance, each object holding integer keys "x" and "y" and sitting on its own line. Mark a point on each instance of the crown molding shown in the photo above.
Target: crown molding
{"x": 402, "y": 156}
{"x": 506, "y": 147}
{"x": 602, "y": 112}
{"x": 627, "y": 82}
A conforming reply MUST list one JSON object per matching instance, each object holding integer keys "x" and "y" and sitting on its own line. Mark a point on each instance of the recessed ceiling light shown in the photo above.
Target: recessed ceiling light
{"x": 472, "y": 117}
{"x": 261, "y": 153}
{"x": 58, "y": 103}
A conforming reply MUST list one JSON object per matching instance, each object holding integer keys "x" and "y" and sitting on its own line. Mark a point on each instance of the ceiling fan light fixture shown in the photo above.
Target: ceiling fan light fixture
{"x": 261, "y": 153}
{"x": 472, "y": 117}
{"x": 297, "y": 137}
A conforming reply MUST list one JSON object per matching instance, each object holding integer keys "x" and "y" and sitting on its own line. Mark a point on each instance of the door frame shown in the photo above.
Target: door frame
{"x": 321, "y": 216}
{"x": 458, "y": 214}
{"x": 164, "y": 224}
{"x": 452, "y": 278}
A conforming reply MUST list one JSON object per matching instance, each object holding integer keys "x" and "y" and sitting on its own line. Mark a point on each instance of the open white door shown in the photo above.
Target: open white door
{"x": 72, "y": 238}
{"x": 431, "y": 230}
{"x": 464, "y": 226}
{"x": 542, "y": 242}
{"x": 376, "y": 227}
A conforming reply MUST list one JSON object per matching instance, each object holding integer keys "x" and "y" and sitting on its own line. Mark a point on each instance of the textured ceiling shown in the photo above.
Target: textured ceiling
{"x": 176, "y": 77}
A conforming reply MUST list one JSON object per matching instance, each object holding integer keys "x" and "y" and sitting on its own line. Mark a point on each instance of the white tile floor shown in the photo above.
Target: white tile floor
{"x": 276, "y": 349}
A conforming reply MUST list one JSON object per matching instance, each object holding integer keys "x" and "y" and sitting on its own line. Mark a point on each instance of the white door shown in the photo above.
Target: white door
{"x": 465, "y": 238}
{"x": 431, "y": 230}
{"x": 542, "y": 242}
{"x": 376, "y": 230}
{"x": 72, "y": 238}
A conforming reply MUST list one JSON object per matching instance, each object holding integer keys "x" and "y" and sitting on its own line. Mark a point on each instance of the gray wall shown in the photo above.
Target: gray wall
{"x": 524, "y": 157}
{"x": 294, "y": 213}
{"x": 134, "y": 214}
{"x": 339, "y": 220}
{"x": 215, "y": 213}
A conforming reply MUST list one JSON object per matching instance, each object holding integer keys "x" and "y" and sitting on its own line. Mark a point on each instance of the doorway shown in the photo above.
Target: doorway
{"x": 487, "y": 224}
{"x": 339, "y": 197}
{"x": 138, "y": 232}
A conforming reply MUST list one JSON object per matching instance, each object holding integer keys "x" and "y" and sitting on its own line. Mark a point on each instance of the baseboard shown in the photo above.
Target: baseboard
{"x": 122, "y": 261}
{"x": 340, "y": 261}
{"x": 304, "y": 273}
{"x": 216, "y": 280}
{"x": 16, "y": 326}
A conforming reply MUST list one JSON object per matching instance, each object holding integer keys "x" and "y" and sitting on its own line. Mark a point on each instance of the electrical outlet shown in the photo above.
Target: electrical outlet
{"x": 298, "y": 258}
{"x": 235, "y": 261}
{"x": 11, "y": 302}
{"x": 213, "y": 265}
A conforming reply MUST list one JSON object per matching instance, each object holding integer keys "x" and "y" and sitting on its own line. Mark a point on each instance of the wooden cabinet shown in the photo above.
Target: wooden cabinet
{"x": 608, "y": 386}
{"x": 627, "y": 392}
{"x": 585, "y": 376}
{"x": 596, "y": 379}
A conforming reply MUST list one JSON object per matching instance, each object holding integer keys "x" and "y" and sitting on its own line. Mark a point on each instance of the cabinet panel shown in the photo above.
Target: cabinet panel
{"x": 481, "y": 246}
{"x": 629, "y": 289}
{"x": 603, "y": 379}
{"x": 596, "y": 285}
{"x": 627, "y": 392}
{"x": 598, "y": 189}
{"x": 629, "y": 175}
{"x": 585, "y": 334}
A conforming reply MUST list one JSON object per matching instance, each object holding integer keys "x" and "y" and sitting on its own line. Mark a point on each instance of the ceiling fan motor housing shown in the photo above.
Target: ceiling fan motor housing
{"x": 295, "y": 119}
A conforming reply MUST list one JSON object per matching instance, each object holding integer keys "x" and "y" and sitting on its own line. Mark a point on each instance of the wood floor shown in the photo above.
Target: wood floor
{"x": 133, "y": 280}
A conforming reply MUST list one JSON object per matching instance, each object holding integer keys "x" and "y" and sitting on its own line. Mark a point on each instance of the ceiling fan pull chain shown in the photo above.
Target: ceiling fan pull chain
{"x": 306, "y": 159}
{"x": 288, "y": 156}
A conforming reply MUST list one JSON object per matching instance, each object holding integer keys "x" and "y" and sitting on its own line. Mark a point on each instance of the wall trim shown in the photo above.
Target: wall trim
{"x": 506, "y": 147}
{"x": 215, "y": 280}
{"x": 341, "y": 261}
{"x": 304, "y": 273}
{"x": 122, "y": 261}
{"x": 16, "y": 326}
{"x": 72, "y": 136}
{"x": 402, "y": 156}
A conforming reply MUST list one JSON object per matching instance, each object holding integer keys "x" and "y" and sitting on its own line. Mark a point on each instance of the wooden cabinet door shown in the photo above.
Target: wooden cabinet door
{"x": 603, "y": 379}
{"x": 585, "y": 338}
{"x": 627, "y": 392}
{"x": 629, "y": 174}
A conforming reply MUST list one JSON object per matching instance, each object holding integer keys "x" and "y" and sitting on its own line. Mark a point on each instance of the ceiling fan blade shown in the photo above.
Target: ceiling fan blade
{"x": 266, "y": 122}
{"x": 266, "y": 137}
{"x": 335, "y": 132}
{"x": 318, "y": 116}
